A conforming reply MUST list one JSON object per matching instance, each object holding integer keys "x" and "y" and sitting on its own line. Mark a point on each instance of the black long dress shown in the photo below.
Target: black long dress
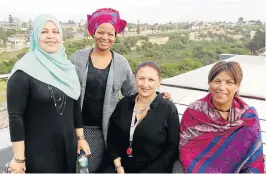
{"x": 48, "y": 132}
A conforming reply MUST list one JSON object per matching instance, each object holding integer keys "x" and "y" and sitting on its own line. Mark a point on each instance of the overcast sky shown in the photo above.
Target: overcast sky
{"x": 150, "y": 11}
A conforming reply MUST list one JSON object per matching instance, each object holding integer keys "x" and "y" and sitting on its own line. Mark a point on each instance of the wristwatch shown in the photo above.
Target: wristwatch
{"x": 81, "y": 137}
{"x": 20, "y": 160}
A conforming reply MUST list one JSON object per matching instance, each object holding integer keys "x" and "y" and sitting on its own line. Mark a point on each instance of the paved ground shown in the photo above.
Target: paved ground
{"x": 6, "y": 151}
{"x": 5, "y": 157}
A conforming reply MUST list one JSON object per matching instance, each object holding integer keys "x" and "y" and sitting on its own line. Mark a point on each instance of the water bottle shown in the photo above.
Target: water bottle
{"x": 83, "y": 163}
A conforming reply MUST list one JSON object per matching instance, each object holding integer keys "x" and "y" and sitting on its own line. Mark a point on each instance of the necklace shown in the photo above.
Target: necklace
{"x": 222, "y": 110}
{"x": 141, "y": 111}
{"x": 59, "y": 103}
{"x": 134, "y": 124}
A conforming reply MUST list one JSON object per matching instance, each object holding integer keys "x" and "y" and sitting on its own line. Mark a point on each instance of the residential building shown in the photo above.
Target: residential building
{"x": 18, "y": 40}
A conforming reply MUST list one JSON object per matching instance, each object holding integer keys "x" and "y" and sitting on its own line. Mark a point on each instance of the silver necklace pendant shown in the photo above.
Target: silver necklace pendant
{"x": 60, "y": 103}
{"x": 141, "y": 111}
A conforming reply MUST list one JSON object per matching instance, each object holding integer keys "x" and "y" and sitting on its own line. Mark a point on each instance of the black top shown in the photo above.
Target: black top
{"x": 92, "y": 110}
{"x": 50, "y": 138}
{"x": 156, "y": 138}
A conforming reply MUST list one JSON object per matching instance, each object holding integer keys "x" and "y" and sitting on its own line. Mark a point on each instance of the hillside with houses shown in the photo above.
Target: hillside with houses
{"x": 177, "y": 47}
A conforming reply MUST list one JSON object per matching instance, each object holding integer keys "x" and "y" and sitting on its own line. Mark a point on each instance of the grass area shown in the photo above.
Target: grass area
{"x": 2, "y": 91}
{"x": 12, "y": 54}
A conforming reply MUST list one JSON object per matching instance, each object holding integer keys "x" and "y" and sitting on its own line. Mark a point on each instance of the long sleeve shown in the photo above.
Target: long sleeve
{"x": 128, "y": 87}
{"x": 17, "y": 97}
{"x": 78, "y": 123}
{"x": 112, "y": 136}
{"x": 170, "y": 153}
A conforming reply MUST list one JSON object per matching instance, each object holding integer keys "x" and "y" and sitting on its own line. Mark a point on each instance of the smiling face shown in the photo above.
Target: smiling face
{"x": 223, "y": 89}
{"x": 50, "y": 38}
{"x": 147, "y": 81}
{"x": 105, "y": 36}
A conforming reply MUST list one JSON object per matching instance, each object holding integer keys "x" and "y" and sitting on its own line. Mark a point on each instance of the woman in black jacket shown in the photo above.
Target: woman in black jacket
{"x": 143, "y": 134}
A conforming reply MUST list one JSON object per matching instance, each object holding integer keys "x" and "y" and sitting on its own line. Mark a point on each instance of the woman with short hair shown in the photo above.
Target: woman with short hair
{"x": 143, "y": 134}
{"x": 220, "y": 133}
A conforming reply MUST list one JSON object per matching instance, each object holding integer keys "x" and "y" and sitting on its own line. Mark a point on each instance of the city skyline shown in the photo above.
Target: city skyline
{"x": 148, "y": 11}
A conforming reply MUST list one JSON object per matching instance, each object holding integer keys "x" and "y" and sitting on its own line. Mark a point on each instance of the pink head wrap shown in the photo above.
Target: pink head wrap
{"x": 105, "y": 15}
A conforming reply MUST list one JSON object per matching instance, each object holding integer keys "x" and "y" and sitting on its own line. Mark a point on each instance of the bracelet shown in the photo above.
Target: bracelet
{"x": 81, "y": 137}
{"x": 19, "y": 160}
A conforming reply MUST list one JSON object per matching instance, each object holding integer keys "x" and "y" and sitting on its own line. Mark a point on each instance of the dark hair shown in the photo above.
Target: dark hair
{"x": 151, "y": 64}
{"x": 231, "y": 67}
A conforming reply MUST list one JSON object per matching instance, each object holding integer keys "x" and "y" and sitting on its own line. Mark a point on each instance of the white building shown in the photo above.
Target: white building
{"x": 18, "y": 40}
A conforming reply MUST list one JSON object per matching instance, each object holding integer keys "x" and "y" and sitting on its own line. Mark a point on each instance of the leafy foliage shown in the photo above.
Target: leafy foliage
{"x": 257, "y": 42}
{"x": 178, "y": 55}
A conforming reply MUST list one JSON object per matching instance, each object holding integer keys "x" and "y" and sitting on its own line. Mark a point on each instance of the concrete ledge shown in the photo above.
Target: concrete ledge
{"x": 4, "y": 138}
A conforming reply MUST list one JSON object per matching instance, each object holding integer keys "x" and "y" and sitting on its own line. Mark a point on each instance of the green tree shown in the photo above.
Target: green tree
{"x": 120, "y": 48}
{"x": 10, "y": 19}
{"x": 29, "y": 27}
{"x": 10, "y": 32}
{"x": 258, "y": 22}
{"x": 19, "y": 56}
{"x": 169, "y": 70}
{"x": 138, "y": 28}
{"x": 153, "y": 27}
{"x": 200, "y": 24}
{"x": 188, "y": 64}
{"x": 117, "y": 40}
{"x": 10, "y": 63}
{"x": 199, "y": 52}
{"x": 257, "y": 42}
{"x": 24, "y": 25}
{"x": 131, "y": 42}
{"x": 133, "y": 64}
{"x": 146, "y": 46}
{"x": 3, "y": 68}
{"x": 68, "y": 33}
{"x": 3, "y": 37}
{"x": 240, "y": 20}
{"x": 145, "y": 38}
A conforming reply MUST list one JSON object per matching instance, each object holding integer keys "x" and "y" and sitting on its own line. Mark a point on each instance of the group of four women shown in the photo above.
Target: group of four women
{"x": 58, "y": 107}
